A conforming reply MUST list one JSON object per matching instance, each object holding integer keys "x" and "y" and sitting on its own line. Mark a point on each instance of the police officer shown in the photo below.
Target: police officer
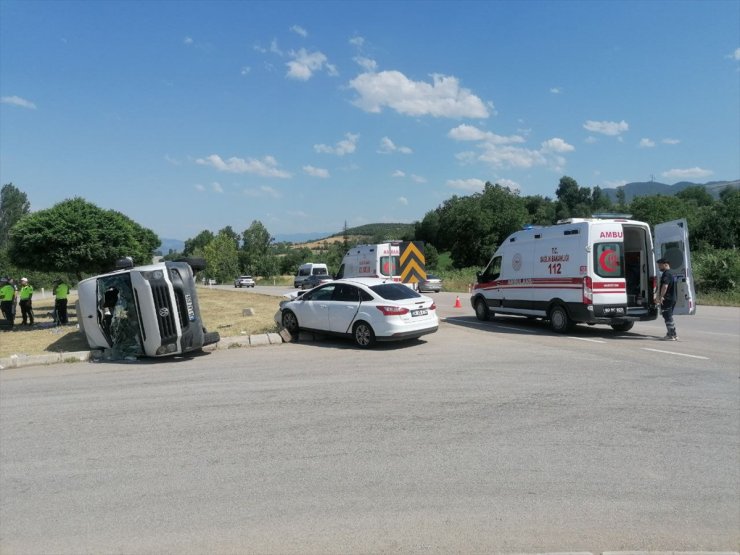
{"x": 7, "y": 301}
{"x": 25, "y": 296}
{"x": 61, "y": 291}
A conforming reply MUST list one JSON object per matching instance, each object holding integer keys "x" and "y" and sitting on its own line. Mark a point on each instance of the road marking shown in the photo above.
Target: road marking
{"x": 586, "y": 339}
{"x": 515, "y": 329}
{"x": 672, "y": 353}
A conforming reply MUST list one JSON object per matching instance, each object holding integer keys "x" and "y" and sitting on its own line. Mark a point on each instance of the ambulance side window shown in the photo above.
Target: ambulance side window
{"x": 492, "y": 271}
{"x": 609, "y": 260}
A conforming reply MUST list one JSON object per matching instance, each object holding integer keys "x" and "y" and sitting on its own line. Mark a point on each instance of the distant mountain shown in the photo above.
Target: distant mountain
{"x": 171, "y": 244}
{"x": 648, "y": 188}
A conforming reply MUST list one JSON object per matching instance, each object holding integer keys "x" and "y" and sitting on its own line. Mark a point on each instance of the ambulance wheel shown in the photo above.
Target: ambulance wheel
{"x": 623, "y": 326}
{"x": 481, "y": 310}
{"x": 559, "y": 319}
{"x": 363, "y": 335}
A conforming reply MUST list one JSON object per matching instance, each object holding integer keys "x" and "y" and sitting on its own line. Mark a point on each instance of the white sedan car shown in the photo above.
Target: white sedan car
{"x": 366, "y": 309}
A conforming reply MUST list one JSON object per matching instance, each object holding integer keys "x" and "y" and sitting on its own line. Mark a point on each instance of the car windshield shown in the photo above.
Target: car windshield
{"x": 394, "y": 291}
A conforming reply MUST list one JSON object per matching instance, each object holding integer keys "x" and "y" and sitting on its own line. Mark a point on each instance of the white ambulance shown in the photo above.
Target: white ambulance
{"x": 399, "y": 260}
{"x": 585, "y": 270}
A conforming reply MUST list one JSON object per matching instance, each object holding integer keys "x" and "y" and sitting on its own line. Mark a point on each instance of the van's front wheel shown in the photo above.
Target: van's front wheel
{"x": 481, "y": 310}
{"x": 559, "y": 320}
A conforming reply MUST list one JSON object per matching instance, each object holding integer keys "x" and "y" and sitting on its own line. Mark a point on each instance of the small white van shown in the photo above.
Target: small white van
{"x": 309, "y": 269}
{"x": 585, "y": 270}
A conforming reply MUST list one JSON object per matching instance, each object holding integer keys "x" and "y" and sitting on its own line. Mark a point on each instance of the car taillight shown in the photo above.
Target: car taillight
{"x": 588, "y": 291}
{"x": 433, "y": 307}
{"x": 388, "y": 310}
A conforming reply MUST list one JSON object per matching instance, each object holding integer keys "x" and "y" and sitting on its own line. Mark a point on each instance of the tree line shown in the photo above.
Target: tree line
{"x": 76, "y": 238}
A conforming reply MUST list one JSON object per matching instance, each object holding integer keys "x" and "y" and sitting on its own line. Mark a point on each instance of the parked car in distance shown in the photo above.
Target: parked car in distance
{"x": 315, "y": 280}
{"x": 365, "y": 309}
{"x": 244, "y": 281}
{"x": 431, "y": 283}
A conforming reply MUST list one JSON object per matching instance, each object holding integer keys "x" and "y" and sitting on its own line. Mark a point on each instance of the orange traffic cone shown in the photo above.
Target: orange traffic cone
{"x": 458, "y": 304}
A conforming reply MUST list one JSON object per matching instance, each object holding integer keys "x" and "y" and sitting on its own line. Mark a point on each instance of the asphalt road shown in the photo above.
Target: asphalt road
{"x": 486, "y": 436}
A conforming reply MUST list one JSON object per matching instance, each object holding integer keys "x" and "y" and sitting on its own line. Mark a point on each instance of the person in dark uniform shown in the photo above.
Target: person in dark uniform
{"x": 666, "y": 298}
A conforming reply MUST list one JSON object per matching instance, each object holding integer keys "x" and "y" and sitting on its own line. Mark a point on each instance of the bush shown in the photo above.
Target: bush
{"x": 716, "y": 269}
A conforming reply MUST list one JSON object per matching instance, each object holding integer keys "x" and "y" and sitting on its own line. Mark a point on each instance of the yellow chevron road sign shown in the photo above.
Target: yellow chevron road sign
{"x": 412, "y": 262}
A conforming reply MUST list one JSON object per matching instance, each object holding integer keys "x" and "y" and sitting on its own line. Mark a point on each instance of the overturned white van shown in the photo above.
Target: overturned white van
{"x": 143, "y": 311}
{"x": 585, "y": 270}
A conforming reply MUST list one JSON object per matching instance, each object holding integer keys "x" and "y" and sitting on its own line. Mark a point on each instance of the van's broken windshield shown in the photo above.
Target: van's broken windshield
{"x": 118, "y": 318}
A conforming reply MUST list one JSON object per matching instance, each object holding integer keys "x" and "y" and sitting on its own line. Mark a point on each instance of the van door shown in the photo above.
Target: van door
{"x": 672, "y": 243}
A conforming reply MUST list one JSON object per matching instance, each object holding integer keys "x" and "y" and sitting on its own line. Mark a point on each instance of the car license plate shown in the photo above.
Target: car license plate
{"x": 614, "y": 310}
{"x": 420, "y": 312}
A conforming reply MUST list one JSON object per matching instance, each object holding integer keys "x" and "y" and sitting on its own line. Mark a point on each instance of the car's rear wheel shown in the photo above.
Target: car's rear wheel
{"x": 290, "y": 322}
{"x": 363, "y": 335}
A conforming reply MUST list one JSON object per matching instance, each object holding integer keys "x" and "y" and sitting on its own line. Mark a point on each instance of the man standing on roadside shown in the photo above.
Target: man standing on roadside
{"x": 666, "y": 298}
{"x": 7, "y": 302}
{"x": 25, "y": 295}
{"x": 61, "y": 291}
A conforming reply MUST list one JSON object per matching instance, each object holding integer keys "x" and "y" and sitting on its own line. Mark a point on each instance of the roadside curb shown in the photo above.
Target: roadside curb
{"x": 22, "y": 361}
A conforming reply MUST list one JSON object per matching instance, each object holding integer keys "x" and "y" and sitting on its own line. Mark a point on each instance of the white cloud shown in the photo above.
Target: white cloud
{"x": 170, "y": 160}
{"x": 316, "y": 172}
{"x": 557, "y": 145}
{"x": 267, "y": 167}
{"x": 367, "y": 64}
{"x": 200, "y": 188}
{"x": 188, "y": 40}
{"x": 387, "y": 147}
{"x": 274, "y": 48}
{"x": 466, "y": 132}
{"x": 591, "y": 140}
{"x": 611, "y": 128}
{"x": 305, "y": 64}
{"x": 357, "y": 42}
{"x": 17, "y": 101}
{"x": 669, "y": 141}
{"x": 556, "y": 90}
{"x": 471, "y": 185}
{"x": 510, "y": 183}
{"x": 347, "y": 146}
{"x": 497, "y": 150}
{"x": 245, "y": 70}
{"x": 298, "y": 30}
{"x": 418, "y": 179}
{"x": 735, "y": 55}
{"x": 216, "y": 187}
{"x": 398, "y": 173}
{"x": 688, "y": 173}
{"x": 403, "y": 200}
{"x": 646, "y": 143}
{"x": 262, "y": 191}
{"x": 505, "y": 156}
{"x": 442, "y": 98}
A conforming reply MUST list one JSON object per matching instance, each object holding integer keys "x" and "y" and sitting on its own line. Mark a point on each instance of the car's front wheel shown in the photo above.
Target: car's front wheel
{"x": 290, "y": 322}
{"x": 363, "y": 335}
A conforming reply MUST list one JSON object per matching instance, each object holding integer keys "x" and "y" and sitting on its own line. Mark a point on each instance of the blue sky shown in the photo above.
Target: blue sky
{"x": 192, "y": 115}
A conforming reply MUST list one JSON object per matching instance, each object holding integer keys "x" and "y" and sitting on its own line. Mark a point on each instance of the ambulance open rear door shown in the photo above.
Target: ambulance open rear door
{"x": 672, "y": 243}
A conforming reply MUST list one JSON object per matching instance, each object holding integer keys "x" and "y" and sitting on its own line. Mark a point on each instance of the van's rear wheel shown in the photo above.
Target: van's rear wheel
{"x": 559, "y": 320}
{"x": 481, "y": 310}
{"x": 623, "y": 326}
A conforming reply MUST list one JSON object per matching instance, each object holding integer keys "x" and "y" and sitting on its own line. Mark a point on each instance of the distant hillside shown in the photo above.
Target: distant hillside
{"x": 649, "y": 188}
{"x": 386, "y": 231}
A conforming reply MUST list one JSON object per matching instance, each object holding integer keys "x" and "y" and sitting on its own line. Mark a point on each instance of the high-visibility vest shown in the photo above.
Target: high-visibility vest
{"x": 7, "y": 292}
{"x": 61, "y": 291}
{"x": 26, "y": 292}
